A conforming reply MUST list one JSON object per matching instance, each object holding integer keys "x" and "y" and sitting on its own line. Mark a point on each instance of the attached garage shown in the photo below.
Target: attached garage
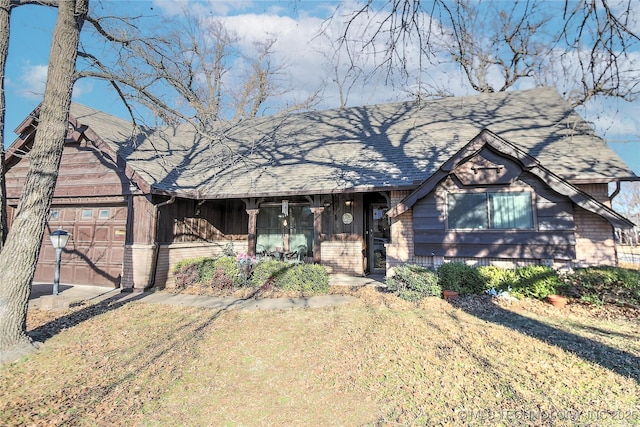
{"x": 91, "y": 202}
{"x": 94, "y": 253}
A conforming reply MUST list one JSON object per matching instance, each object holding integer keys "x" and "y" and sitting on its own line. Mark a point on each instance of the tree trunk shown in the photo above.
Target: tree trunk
{"x": 20, "y": 253}
{"x": 5, "y": 13}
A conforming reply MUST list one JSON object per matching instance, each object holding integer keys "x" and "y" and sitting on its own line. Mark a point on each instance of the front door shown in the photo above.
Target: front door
{"x": 378, "y": 235}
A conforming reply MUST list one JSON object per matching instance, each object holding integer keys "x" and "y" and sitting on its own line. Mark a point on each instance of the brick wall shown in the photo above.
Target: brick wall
{"x": 169, "y": 255}
{"x": 137, "y": 265}
{"x": 595, "y": 243}
{"x": 343, "y": 256}
{"x": 594, "y": 239}
{"x": 400, "y": 249}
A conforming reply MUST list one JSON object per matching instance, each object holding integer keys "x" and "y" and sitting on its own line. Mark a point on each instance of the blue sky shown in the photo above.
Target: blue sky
{"x": 295, "y": 24}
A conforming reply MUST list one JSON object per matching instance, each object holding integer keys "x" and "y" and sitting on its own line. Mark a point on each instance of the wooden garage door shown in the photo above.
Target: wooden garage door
{"x": 93, "y": 255}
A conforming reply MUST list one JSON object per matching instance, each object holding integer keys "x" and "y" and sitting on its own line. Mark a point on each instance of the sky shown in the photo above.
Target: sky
{"x": 295, "y": 25}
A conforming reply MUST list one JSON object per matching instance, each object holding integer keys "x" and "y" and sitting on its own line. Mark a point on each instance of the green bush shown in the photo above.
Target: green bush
{"x": 413, "y": 282}
{"x": 592, "y": 299}
{"x": 228, "y": 251}
{"x": 605, "y": 283}
{"x": 500, "y": 279}
{"x": 187, "y": 272}
{"x": 225, "y": 273}
{"x": 229, "y": 267}
{"x": 267, "y": 270}
{"x": 206, "y": 270}
{"x": 535, "y": 281}
{"x": 187, "y": 262}
{"x": 308, "y": 279}
{"x": 460, "y": 277}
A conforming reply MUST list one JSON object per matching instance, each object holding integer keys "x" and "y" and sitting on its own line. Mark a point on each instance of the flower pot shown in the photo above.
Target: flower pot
{"x": 557, "y": 300}
{"x": 450, "y": 295}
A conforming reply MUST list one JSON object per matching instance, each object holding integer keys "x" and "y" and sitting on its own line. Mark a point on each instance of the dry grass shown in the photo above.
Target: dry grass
{"x": 378, "y": 361}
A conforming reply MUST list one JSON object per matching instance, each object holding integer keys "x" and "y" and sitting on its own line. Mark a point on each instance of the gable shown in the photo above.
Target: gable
{"x": 480, "y": 159}
{"x": 84, "y": 172}
{"x": 487, "y": 168}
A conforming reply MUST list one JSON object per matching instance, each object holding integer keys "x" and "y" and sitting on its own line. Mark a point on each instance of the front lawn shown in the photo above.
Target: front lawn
{"x": 378, "y": 361}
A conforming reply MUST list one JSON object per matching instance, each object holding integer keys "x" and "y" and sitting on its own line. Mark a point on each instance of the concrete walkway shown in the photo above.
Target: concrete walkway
{"x": 42, "y": 298}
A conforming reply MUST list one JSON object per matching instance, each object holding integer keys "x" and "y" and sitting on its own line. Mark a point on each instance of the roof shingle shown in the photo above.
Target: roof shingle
{"x": 388, "y": 146}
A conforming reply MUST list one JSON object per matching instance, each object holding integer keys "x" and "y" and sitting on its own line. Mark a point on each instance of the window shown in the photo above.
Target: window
{"x": 490, "y": 210}
{"x": 103, "y": 214}
{"x": 273, "y": 227}
{"x": 87, "y": 213}
{"x": 54, "y": 214}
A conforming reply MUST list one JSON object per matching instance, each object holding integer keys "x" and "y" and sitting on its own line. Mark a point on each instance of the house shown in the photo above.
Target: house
{"x": 509, "y": 178}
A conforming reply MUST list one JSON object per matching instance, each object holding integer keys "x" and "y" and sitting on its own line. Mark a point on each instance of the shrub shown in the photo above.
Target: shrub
{"x": 229, "y": 267}
{"x": 228, "y": 251}
{"x": 268, "y": 269}
{"x": 226, "y": 273}
{"x": 221, "y": 281}
{"x": 413, "y": 282}
{"x": 186, "y": 274}
{"x": 186, "y": 262}
{"x": 600, "y": 283}
{"x": 500, "y": 279}
{"x": 307, "y": 279}
{"x": 460, "y": 277}
{"x": 535, "y": 281}
{"x": 206, "y": 270}
{"x": 592, "y": 299}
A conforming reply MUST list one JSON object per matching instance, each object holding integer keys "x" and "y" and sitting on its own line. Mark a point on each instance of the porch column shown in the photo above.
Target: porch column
{"x": 251, "y": 237}
{"x": 317, "y": 231}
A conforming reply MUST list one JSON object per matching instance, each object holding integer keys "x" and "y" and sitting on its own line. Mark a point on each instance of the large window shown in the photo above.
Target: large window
{"x": 490, "y": 210}
{"x": 276, "y": 229}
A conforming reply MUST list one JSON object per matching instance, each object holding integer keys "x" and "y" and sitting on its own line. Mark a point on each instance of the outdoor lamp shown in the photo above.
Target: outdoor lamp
{"x": 59, "y": 240}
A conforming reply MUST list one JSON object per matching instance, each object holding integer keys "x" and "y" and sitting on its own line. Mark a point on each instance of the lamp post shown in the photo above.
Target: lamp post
{"x": 59, "y": 240}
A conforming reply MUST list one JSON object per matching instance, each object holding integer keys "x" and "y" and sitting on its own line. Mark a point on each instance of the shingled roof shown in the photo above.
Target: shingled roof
{"x": 368, "y": 148}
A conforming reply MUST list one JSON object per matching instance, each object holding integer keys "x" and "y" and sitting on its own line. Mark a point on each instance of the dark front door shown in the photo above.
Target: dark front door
{"x": 378, "y": 236}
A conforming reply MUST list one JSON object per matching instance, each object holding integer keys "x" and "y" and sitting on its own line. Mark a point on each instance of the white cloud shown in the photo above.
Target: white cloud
{"x": 201, "y": 8}
{"x": 310, "y": 63}
{"x": 82, "y": 87}
{"x": 612, "y": 118}
{"x": 32, "y": 82}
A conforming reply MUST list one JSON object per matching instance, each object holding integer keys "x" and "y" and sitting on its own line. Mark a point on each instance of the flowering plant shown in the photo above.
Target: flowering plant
{"x": 245, "y": 259}
{"x": 246, "y": 263}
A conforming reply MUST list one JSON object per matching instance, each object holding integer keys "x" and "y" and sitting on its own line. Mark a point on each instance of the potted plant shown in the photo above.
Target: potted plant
{"x": 450, "y": 294}
{"x": 458, "y": 278}
{"x": 557, "y": 300}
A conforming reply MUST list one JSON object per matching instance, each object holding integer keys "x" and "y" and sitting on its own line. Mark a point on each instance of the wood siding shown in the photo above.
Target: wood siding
{"x": 194, "y": 221}
{"x": 90, "y": 202}
{"x": 552, "y": 237}
{"x": 84, "y": 172}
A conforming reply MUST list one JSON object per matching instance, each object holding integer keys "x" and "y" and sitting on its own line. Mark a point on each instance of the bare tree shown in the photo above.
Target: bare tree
{"x": 181, "y": 76}
{"x": 20, "y": 253}
{"x": 194, "y": 70}
{"x": 5, "y": 13}
{"x": 628, "y": 201}
{"x": 497, "y": 44}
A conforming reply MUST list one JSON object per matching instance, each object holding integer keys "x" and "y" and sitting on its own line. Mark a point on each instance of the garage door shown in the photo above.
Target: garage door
{"x": 93, "y": 255}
